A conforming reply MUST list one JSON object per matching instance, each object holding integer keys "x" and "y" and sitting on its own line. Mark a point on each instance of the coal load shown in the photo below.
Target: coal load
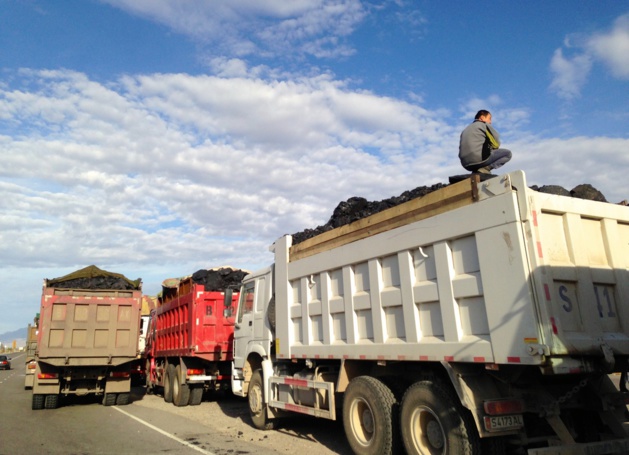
{"x": 583, "y": 191}
{"x": 91, "y": 277}
{"x": 356, "y": 208}
{"x": 219, "y": 279}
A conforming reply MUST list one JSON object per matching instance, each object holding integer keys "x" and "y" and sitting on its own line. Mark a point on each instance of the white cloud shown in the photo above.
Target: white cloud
{"x": 176, "y": 166}
{"x": 613, "y": 48}
{"x": 549, "y": 161}
{"x": 244, "y": 27}
{"x": 570, "y": 74}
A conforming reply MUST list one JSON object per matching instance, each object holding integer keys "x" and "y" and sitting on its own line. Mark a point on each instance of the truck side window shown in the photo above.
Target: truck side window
{"x": 246, "y": 299}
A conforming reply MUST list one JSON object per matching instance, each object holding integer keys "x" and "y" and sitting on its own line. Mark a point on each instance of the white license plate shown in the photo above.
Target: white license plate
{"x": 497, "y": 423}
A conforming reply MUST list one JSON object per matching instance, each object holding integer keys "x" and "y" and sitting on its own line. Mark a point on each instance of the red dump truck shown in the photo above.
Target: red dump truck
{"x": 88, "y": 337}
{"x": 190, "y": 336}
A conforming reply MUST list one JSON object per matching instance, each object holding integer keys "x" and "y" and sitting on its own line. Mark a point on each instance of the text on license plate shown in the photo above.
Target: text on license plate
{"x": 497, "y": 423}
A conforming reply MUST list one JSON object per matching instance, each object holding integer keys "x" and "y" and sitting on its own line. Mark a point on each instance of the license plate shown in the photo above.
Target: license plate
{"x": 498, "y": 423}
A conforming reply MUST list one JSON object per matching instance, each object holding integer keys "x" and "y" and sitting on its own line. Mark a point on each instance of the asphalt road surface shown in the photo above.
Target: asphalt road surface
{"x": 149, "y": 426}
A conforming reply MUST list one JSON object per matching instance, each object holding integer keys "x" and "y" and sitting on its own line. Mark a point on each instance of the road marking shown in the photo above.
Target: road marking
{"x": 159, "y": 430}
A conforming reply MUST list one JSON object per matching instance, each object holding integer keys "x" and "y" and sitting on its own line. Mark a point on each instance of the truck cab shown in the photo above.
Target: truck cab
{"x": 253, "y": 336}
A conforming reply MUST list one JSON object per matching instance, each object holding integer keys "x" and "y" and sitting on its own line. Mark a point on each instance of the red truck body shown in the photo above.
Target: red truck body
{"x": 189, "y": 343}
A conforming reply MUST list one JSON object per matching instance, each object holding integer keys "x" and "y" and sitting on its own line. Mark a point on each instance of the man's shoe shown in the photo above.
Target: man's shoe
{"x": 484, "y": 170}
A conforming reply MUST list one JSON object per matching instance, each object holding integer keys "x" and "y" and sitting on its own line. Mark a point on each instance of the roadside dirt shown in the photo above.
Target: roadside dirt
{"x": 228, "y": 416}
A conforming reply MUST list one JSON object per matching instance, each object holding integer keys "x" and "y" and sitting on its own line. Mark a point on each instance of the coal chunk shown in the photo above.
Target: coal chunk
{"x": 587, "y": 191}
{"x": 552, "y": 189}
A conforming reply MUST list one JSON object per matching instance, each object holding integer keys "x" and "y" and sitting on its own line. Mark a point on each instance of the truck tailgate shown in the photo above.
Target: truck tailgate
{"x": 89, "y": 327}
{"x": 580, "y": 255}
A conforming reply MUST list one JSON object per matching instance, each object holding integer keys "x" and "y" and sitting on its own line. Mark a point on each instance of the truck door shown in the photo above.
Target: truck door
{"x": 243, "y": 330}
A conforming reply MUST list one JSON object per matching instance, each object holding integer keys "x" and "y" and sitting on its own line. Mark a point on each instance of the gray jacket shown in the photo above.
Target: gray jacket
{"x": 477, "y": 142}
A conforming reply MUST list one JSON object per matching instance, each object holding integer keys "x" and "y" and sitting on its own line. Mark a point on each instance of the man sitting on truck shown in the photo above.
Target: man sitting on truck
{"x": 479, "y": 147}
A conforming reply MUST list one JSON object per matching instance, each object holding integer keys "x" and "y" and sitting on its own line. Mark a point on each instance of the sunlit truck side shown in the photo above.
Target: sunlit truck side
{"x": 482, "y": 318}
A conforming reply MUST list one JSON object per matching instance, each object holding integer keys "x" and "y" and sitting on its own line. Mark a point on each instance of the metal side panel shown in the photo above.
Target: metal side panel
{"x": 418, "y": 292}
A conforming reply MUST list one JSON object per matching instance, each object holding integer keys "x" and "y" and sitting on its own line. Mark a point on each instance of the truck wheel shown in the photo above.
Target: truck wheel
{"x": 434, "y": 421}
{"x": 370, "y": 417}
{"x": 38, "y": 401}
{"x": 168, "y": 383}
{"x": 257, "y": 408}
{"x": 122, "y": 399}
{"x": 51, "y": 401}
{"x": 181, "y": 392}
{"x": 196, "y": 395}
{"x": 109, "y": 399}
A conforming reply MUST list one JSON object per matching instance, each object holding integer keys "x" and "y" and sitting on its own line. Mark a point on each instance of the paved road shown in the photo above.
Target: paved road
{"x": 146, "y": 426}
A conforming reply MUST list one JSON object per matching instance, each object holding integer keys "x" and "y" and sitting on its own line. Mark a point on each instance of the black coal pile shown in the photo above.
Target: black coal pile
{"x": 356, "y": 208}
{"x": 583, "y": 191}
{"x": 219, "y": 279}
{"x": 91, "y": 277}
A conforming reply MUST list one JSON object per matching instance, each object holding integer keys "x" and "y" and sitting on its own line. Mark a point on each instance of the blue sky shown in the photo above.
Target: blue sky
{"x": 157, "y": 137}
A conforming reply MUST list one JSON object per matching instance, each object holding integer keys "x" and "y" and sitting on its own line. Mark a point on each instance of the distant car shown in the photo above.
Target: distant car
{"x": 5, "y": 362}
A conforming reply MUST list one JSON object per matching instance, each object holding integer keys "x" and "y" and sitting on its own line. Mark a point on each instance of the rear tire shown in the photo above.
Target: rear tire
{"x": 196, "y": 395}
{"x": 122, "y": 399}
{"x": 434, "y": 421}
{"x": 109, "y": 399}
{"x": 257, "y": 407}
{"x": 38, "y": 401}
{"x": 51, "y": 401}
{"x": 181, "y": 392}
{"x": 168, "y": 383}
{"x": 370, "y": 417}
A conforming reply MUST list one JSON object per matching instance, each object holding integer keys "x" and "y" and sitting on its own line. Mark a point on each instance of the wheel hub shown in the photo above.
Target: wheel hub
{"x": 434, "y": 434}
{"x": 367, "y": 420}
{"x": 363, "y": 425}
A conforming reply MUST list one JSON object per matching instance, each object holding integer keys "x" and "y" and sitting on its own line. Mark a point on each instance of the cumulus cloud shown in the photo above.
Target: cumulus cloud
{"x": 611, "y": 48}
{"x": 174, "y": 167}
{"x": 245, "y": 27}
{"x": 570, "y": 74}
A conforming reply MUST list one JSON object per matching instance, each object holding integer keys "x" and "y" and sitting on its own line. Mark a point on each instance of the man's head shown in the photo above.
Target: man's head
{"x": 483, "y": 116}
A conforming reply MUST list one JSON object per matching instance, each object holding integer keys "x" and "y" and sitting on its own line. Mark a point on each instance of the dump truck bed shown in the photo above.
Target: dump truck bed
{"x": 489, "y": 272}
{"x": 195, "y": 323}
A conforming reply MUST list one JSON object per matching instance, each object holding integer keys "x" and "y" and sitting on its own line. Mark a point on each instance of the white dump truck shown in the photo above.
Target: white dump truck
{"x": 484, "y": 317}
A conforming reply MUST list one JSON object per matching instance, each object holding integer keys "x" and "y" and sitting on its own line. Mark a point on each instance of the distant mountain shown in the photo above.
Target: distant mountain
{"x": 18, "y": 335}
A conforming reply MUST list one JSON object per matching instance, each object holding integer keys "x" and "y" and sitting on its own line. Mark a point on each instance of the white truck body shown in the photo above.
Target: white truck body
{"x": 489, "y": 282}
